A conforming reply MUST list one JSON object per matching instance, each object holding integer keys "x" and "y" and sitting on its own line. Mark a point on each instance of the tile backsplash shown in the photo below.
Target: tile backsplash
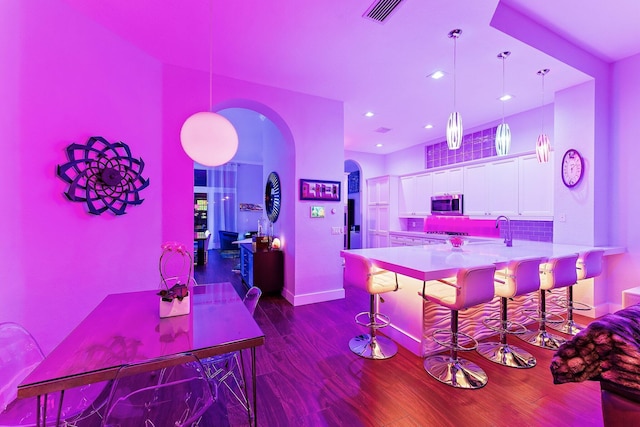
{"x": 541, "y": 231}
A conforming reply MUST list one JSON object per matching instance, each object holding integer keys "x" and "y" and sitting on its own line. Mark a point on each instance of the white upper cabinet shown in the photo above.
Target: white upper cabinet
{"x": 536, "y": 187}
{"x": 378, "y": 190}
{"x": 448, "y": 181}
{"x": 502, "y": 180}
{"x": 491, "y": 189}
{"x": 476, "y": 195}
{"x": 414, "y": 198}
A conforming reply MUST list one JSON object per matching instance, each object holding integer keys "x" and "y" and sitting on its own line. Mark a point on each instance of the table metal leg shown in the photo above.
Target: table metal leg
{"x": 253, "y": 377}
{"x": 38, "y": 400}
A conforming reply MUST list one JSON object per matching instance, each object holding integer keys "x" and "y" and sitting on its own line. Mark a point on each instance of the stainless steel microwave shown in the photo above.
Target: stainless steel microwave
{"x": 447, "y": 204}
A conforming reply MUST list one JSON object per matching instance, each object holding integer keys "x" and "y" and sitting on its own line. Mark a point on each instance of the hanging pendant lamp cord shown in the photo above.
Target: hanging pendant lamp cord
{"x": 211, "y": 58}
{"x": 503, "y": 92}
{"x": 542, "y": 104}
{"x": 455, "y": 40}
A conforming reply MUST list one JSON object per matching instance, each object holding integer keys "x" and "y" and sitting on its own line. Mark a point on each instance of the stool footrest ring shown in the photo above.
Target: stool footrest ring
{"x": 549, "y": 317}
{"x": 448, "y": 343}
{"x": 508, "y": 327}
{"x": 380, "y": 320}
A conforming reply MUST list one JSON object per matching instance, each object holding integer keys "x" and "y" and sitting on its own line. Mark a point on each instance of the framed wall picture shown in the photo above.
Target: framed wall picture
{"x": 311, "y": 189}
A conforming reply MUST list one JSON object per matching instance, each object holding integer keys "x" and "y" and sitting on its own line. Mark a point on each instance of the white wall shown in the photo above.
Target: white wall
{"x": 575, "y": 128}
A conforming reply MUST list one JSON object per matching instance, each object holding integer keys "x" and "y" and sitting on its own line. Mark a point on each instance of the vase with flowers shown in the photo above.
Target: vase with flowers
{"x": 176, "y": 278}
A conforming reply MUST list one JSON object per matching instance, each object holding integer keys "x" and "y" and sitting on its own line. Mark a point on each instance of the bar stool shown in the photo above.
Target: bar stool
{"x": 359, "y": 271}
{"x": 471, "y": 286}
{"x": 555, "y": 273}
{"x": 519, "y": 278}
{"x": 589, "y": 265}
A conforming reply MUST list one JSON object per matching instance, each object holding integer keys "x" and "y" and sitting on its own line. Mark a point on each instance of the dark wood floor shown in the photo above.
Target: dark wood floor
{"x": 307, "y": 376}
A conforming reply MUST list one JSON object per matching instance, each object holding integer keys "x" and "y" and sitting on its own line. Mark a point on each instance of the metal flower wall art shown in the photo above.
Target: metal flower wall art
{"x": 104, "y": 175}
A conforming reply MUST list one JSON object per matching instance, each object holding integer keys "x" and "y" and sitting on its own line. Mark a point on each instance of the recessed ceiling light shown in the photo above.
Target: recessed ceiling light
{"x": 429, "y": 126}
{"x": 368, "y": 114}
{"x": 436, "y": 75}
{"x": 505, "y": 97}
{"x": 378, "y": 145}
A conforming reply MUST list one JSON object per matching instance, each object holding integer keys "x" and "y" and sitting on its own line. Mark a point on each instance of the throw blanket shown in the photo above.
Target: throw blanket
{"x": 607, "y": 349}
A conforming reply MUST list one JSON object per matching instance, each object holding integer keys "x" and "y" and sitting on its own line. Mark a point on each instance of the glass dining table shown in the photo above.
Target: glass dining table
{"x": 126, "y": 328}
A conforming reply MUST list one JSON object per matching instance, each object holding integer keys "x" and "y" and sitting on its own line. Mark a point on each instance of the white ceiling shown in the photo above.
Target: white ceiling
{"x": 326, "y": 48}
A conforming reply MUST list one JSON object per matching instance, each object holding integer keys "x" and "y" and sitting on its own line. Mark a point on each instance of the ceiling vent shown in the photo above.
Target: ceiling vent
{"x": 380, "y": 10}
{"x": 382, "y": 130}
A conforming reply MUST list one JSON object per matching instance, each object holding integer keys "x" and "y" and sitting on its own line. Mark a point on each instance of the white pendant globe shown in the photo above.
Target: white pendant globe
{"x": 503, "y": 139}
{"x": 543, "y": 147}
{"x": 454, "y": 131}
{"x": 209, "y": 138}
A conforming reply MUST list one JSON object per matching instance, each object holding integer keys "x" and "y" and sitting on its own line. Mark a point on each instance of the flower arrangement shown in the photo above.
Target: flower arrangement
{"x": 176, "y": 268}
{"x": 456, "y": 241}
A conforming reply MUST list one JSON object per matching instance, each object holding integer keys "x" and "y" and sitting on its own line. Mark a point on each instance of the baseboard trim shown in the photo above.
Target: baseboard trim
{"x": 312, "y": 298}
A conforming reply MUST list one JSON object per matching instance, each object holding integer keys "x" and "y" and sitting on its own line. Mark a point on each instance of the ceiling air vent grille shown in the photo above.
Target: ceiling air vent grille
{"x": 381, "y": 9}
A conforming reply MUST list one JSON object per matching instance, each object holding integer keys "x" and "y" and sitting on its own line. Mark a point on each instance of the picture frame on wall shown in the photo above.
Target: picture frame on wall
{"x": 313, "y": 189}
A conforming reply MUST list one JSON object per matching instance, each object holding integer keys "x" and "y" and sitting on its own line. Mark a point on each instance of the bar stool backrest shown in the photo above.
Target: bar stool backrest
{"x": 357, "y": 271}
{"x": 590, "y": 264}
{"x": 475, "y": 286}
{"x": 559, "y": 272}
{"x": 523, "y": 276}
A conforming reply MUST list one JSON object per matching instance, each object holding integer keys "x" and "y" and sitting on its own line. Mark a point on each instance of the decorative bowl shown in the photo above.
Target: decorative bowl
{"x": 456, "y": 242}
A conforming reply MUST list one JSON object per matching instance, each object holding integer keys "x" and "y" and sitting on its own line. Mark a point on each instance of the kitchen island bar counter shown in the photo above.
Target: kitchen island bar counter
{"x": 432, "y": 262}
{"x": 413, "y": 319}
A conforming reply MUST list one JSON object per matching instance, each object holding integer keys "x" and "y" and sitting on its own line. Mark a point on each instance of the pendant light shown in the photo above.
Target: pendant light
{"x": 503, "y": 134}
{"x": 207, "y": 137}
{"x": 543, "y": 146}
{"x": 454, "y": 124}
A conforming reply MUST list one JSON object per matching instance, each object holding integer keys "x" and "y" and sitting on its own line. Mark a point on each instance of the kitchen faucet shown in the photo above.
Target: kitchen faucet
{"x": 508, "y": 240}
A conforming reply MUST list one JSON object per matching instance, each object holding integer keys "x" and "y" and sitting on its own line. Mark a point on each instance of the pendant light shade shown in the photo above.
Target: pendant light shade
{"x": 543, "y": 145}
{"x": 503, "y": 133}
{"x": 503, "y": 139}
{"x": 209, "y": 138}
{"x": 454, "y": 124}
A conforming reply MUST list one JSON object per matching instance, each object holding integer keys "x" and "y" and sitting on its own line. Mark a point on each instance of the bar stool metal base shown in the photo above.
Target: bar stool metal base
{"x": 506, "y": 355}
{"x": 570, "y": 327}
{"x": 375, "y": 347}
{"x": 542, "y": 339}
{"x": 459, "y": 373}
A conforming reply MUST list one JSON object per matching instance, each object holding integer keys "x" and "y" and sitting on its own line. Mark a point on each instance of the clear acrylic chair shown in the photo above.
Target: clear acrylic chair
{"x": 19, "y": 355}
{"x": 173, "y": 396}
{"x": 227, "y": 369}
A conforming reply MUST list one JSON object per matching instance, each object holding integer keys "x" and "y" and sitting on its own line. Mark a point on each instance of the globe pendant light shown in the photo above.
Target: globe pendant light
{"x": 454, "y": 124}
{"x": 503, "y": 134}
{"x": 207, "y": 137}
{"x": 543, "y": 146}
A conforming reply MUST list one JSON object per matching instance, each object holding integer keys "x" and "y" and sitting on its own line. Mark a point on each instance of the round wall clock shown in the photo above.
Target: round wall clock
{"x": 572, "y": 168}
{"x": 272, "y": 195}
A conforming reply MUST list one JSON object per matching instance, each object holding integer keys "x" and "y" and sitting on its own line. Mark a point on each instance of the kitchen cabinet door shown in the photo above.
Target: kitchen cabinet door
{"x": 448, "y": 181}
{"x": 378, "y": 190}
{"x": 476, "y": 195}
{"x": 536, "y": 187}
{"x": 414, "y": 198}
{"x": 378, "y": 226}
{"x": 503, "y": 187}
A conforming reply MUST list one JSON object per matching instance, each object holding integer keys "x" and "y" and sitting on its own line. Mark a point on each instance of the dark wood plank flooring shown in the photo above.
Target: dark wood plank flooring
{"x": 307, "y": 376}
